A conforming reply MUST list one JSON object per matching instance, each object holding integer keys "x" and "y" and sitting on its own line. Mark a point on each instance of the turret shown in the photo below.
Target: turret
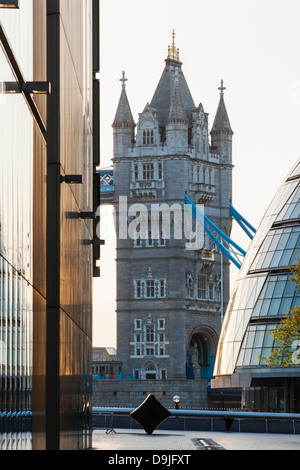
{"x": 177, "y": 123}
{"x": 123, "y": 125}
{"x": 221, "y": 133}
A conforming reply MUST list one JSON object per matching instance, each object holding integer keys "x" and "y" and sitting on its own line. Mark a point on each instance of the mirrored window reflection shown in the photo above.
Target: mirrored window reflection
{"x": 278, "y": 296}
{"x": 291, "y": 211}
{"x": 257, "y": 346}
{"x": 279, "y": 202}
{"x": 16, "y": 248}
{"x": 278, "y": 250}
{"x": 236, "y": 321}
{"x": 295, "y": 171}
{"x": 18, "y": 26}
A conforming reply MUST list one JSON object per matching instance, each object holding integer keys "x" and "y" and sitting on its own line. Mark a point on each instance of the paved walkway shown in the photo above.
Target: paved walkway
{"x": 126, "y": 439}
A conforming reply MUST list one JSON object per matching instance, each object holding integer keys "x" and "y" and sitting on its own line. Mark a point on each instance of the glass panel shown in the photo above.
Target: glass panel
{"x": 270, "y": 288}
{"x": 278, "y": 292}
{"x": 265, "y": 354}
{"x": 255, "y": 357}
{"x": 296, "y": 170}
{"x": 250, "y": 339}
{"x": 16, "y": 211}
{"x": 265, "y": 307}
{"x": 287, "y": 239}
{"x": 285, "y": 306}
{"x": 274, "y": 307}
{"x": 268, "y": 341}
{"x": 247, "y": 357}
{"x": 283, "y": 241}
{"x": 18, "y": 26}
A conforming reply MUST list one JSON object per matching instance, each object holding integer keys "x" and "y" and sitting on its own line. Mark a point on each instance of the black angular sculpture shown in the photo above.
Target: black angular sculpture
{"x": 150, "y": 414}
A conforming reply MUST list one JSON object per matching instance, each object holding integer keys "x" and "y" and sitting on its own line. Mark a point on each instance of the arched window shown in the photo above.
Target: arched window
{"x": 150, "y": 372}
{"x": 190, "y": 287}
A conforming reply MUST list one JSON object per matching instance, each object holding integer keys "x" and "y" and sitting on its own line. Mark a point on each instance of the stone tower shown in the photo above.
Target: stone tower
{"x": 168, "y": 296}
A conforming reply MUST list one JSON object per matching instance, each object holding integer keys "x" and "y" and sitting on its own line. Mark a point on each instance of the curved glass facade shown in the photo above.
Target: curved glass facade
{"x": 263, "y": 291}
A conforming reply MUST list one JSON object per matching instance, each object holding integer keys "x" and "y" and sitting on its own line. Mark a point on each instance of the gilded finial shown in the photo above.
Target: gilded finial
{"x": 173, "y": 52}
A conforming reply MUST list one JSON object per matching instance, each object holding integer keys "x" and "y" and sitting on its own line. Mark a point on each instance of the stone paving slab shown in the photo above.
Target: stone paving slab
{"x": 126, "y": 439}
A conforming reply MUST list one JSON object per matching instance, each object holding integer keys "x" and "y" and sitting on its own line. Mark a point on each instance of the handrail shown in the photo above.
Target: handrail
{"x": 208, "y": 413}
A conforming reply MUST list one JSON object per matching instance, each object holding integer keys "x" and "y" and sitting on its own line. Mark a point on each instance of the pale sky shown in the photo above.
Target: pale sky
{"x": 254, "y": 47}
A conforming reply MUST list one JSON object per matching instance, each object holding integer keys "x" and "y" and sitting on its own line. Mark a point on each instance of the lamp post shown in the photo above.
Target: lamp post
{"x": 176, "y": 400}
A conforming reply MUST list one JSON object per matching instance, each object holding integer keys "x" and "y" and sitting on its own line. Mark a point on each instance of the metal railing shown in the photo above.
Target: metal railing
{"x": 229, "y": 418}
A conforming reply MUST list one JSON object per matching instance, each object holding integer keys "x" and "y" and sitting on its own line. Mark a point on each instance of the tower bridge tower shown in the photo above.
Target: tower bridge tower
{"x": 169, "y": 298}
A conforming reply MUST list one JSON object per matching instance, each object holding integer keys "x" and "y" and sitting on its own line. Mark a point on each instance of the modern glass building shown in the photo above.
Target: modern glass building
{"x": 262, "y": 295}
{"x": 48, "y": 140}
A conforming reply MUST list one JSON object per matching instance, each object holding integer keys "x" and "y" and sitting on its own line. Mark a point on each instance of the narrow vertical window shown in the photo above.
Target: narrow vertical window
{"x": 202, "y": 287}
{"x": 160, "y": 171}
{"x": 152, "y": 137}
{"x": 211, "y": 291}
{"x": 150, "y": 241}
{"x": 138, "y": 289}
{"x": 136, "y": 172}
{"x": 161, "y": 288}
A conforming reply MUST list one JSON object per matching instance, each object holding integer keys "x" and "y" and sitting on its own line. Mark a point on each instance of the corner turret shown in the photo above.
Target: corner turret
{"x": 123, "y": 125}
{"x": 221, "y": 133}
{"x": 177, "y": 123}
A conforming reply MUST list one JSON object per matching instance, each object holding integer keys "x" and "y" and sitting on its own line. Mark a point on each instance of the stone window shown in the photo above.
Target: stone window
{"x": 161, "y": 288}
{"x": 190, "y": 287}
{"x": 160, "y": 171}
{"x": 149, "y": 288}
{"x": 138, "y": 289}
{"x": 150, "y": 334}
{"x": 148, "y": 137}
{"x": 211, "y": 291}
{"x": 148, "y": 171}
{"x": 137, "y": 242}
{"x": 202, "y": 287}
{"x": 149, "y": 240}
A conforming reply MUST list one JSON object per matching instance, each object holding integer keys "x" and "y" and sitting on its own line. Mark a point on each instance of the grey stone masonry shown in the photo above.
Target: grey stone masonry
{"x": 131, "y": 393}
{"x": 170, "y": 293}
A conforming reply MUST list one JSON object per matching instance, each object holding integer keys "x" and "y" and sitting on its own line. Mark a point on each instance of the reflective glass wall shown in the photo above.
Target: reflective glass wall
{"x": 22, "y": 228}
{"x": 70, "y": 273}
{"x": 263, "y": 294}
{"x": 46, "y": 247}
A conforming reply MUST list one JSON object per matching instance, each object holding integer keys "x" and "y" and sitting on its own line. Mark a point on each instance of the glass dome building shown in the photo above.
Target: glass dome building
{"x": 262, "y": 295}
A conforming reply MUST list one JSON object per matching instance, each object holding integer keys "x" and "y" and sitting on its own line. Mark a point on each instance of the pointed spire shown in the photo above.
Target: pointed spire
{"x": 221, "y": 122}
{"x": 176, "y": 109}
{"x": 123, "y": 116}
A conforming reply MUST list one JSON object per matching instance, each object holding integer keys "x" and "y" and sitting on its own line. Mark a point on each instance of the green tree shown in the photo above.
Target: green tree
{"x": 287, "y": 332}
